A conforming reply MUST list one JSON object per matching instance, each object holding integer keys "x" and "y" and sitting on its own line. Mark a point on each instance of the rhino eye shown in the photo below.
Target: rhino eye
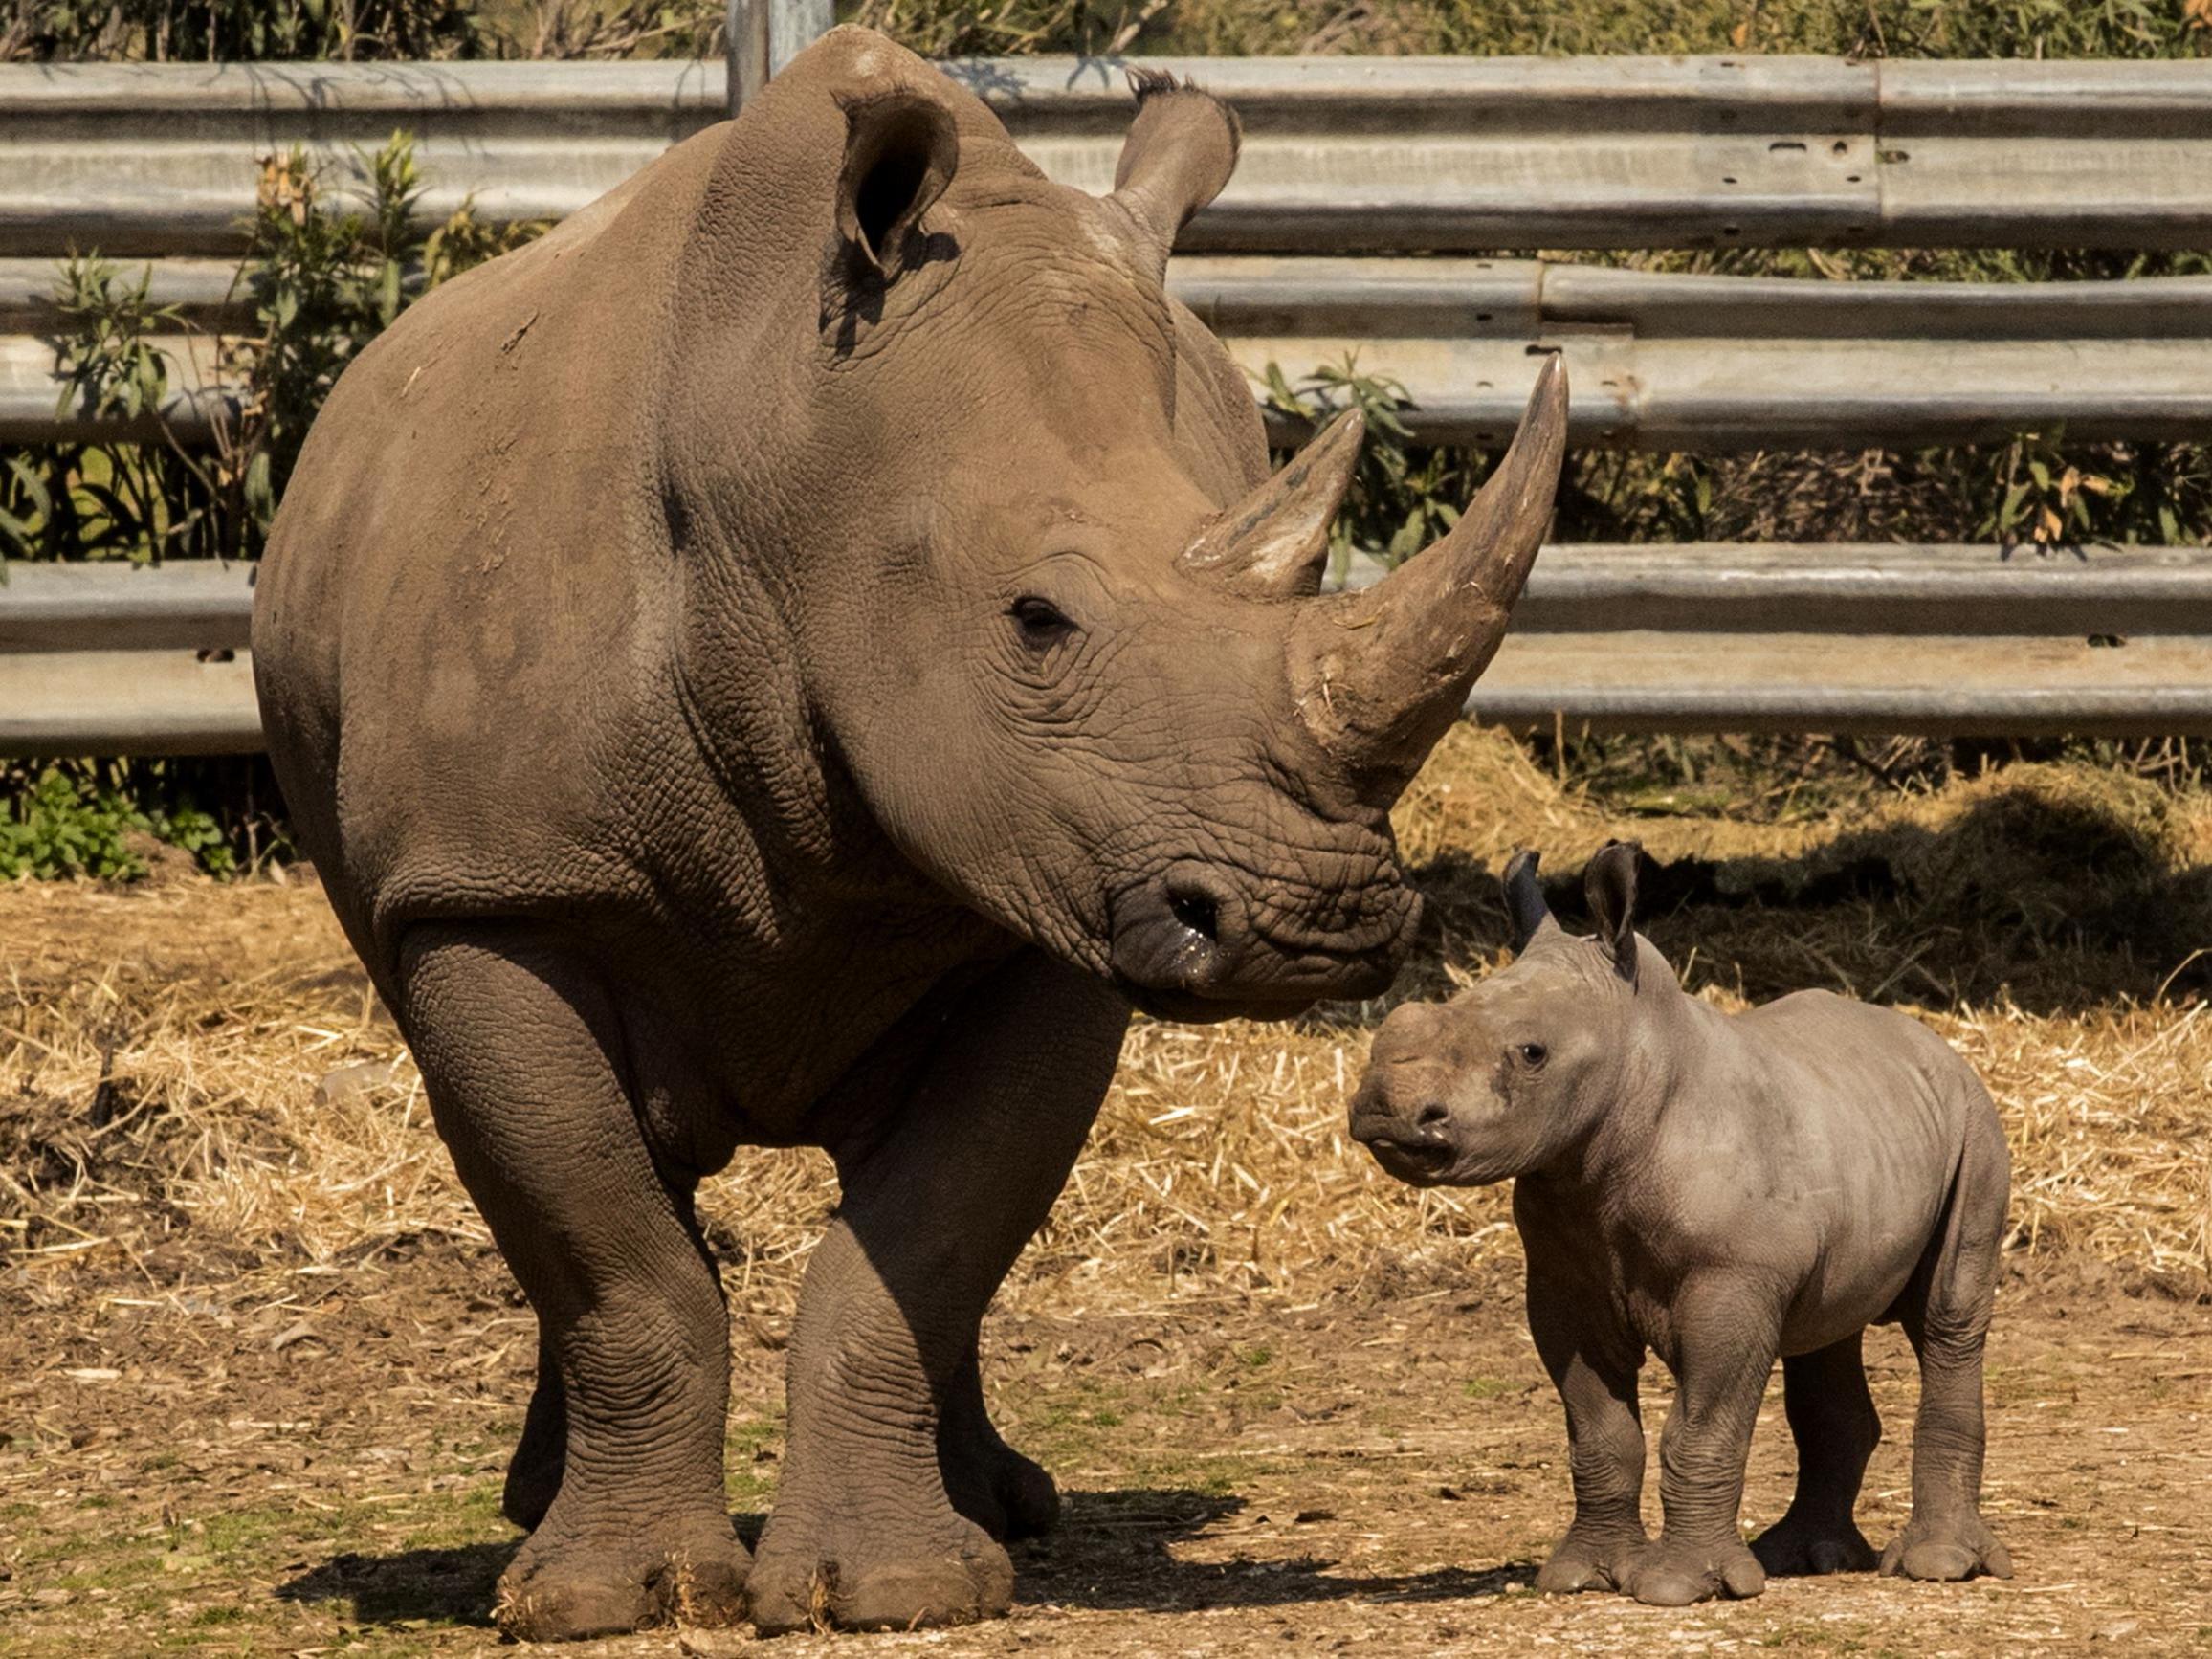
{"x": 1043, "y": 623}
{"x": 1532, "y": 1055}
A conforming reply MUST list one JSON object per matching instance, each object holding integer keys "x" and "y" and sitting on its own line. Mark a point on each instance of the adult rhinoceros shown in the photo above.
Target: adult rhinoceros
{"x": 789, "y": 658}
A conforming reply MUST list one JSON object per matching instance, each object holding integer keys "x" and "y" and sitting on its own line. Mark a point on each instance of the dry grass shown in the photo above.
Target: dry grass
{"x": 165, "y": 1116}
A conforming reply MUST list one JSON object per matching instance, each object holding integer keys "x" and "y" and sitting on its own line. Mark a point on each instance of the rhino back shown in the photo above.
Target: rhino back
{"x": 453, "y": 628}
{"x": 1868, "y": 1112}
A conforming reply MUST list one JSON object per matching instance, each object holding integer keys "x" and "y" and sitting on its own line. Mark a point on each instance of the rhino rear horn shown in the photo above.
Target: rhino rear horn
{"x": 900, "y": 150}
{"x": 1380, "y": 674}
{"x": 1524, "y": 899}
{"x": 1179, "y": 152}
{"x": 1274, "y": 543}
{"x": 1610, "y": 885}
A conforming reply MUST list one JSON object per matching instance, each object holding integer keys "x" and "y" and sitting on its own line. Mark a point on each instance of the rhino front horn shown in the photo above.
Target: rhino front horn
{"x": 1274, "y": 543}
{"x": 1380, "y": 674}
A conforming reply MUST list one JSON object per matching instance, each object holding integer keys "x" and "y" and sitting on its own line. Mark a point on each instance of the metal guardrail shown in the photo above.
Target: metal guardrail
{"x": 1340, "y": 155}
{"x": 1727, "y": 363}
{"x": 1656, "y": 362}
{"x": 98, "y": 659}
{"x": 1374, "y": 157}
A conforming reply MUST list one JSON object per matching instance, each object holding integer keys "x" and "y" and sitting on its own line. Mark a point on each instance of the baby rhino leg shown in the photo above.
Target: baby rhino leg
{"x": 1727, "y": 1330}
{"x": 1946, "y": 1316}
{"x": 1833, "y": 1421}
{"x": 1593, "y": 1364}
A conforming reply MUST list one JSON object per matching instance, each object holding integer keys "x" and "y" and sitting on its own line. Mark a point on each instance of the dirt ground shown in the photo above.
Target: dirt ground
{"x": 319, "y": 1472}
{"x": 259, "y": 1369}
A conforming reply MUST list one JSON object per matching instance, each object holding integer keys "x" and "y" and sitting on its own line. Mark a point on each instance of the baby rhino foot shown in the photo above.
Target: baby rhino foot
{"x": 1795, "y": 1546}
{"x": 566, "y": 1588}
{"x": 1673, "y": 1574}
{"x": 1586, "y": 1561}
{"x": 1946, "y": 1550}
{"x": 849, "y": 1577}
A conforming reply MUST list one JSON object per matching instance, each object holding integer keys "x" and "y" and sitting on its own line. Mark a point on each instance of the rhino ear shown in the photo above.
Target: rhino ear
{"x": 1179, "y": 152}
{"x": 1524, "y": 899}
{"x": 1609, "y": 884}
{"x": 900, "y": 150}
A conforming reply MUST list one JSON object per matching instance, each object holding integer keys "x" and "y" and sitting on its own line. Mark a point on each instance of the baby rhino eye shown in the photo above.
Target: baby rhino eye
{"x": 1531, "y": 1053}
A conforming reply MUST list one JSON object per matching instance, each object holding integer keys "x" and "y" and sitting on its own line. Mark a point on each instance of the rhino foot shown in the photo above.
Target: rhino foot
{"x": 1795, "y": 1546}
{"x": 1673, "y": 1574}
{"x": 1585, "y": 1561}
{"x": 1008, "y": 1494}
{"x": 849, "y": 1577}
{"x": 1943, "y": 1551}
{"x": 566, "y": 1589}
{"x": 532, "y": 1481}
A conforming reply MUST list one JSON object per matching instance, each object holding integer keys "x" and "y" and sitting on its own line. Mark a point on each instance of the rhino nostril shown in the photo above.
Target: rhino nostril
{"x": 1432, "y": 1115}
{"x": 1199, "y": 912}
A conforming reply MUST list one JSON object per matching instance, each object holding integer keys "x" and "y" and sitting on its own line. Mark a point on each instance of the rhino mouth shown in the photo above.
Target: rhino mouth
{"x": 1187, "y": 947}
{"x": 1417, "y": 1163}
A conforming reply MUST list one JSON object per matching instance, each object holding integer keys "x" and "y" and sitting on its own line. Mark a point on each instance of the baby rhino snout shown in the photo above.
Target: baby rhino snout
{"x": 1402, "y": 1113}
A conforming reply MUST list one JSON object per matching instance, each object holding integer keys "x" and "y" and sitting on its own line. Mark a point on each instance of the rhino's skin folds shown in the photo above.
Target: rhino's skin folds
{"x": 789, "y": 658}
{"x": 1720, "y": 1190}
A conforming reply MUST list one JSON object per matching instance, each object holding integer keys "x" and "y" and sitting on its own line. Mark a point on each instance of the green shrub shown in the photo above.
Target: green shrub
{"x": 257, "y": 31}
{"x": 322, "y": 281}
{"x": 87, "y": 818}
{"x": 93, "y": 501}
{"x": 231, "y": 30}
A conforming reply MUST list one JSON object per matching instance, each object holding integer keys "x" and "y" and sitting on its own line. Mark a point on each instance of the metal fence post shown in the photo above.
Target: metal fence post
{"x": 765, "y": 34}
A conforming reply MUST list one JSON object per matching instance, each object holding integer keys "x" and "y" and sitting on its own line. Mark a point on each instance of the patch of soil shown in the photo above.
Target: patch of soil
{"x": 1367, "y": 1469}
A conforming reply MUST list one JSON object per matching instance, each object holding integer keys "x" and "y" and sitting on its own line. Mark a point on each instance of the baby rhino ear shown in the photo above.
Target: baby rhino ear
{"x": 1609, "y": 884}
{"x": 1524, "y": 899}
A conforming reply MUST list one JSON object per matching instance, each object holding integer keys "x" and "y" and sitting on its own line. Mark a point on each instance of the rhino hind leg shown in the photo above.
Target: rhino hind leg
{"x": 1008, "y": 1496}
{"x": 940, "y": 1196}
{"x": 1945, "y": 1315}
{"x": 1833, "y": 1421}
{"x": 534, "y": 1471}
{"x": 518, "y": 1049}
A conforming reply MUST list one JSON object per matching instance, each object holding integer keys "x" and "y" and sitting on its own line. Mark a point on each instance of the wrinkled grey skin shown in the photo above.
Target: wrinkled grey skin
{"x": 787, "y": 659}
{"x": 1720, "y": 1190}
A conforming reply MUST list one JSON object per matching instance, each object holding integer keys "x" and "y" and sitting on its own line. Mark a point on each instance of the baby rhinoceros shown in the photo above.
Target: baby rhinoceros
{"x": 1718, "y": 1189}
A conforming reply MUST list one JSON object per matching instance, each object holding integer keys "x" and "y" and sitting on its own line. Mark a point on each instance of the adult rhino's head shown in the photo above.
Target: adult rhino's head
{"x": 1057, "y": 625}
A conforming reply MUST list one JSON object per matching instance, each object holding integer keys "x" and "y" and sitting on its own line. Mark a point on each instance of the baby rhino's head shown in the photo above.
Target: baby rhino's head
{"x": 1507, "y": 1078}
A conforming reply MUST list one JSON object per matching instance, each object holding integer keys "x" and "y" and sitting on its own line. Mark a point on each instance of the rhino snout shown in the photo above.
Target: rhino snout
{"x": 1178, "y": 935}
{"x": 1401, "y": 1116}
{"x": 1187, "y": 946}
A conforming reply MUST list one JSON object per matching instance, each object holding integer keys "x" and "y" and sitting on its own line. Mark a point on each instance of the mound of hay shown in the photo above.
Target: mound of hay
{"x": 197, "y": 1088}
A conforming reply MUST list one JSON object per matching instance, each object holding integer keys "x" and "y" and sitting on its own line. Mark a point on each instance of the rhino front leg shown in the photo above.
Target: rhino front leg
{"x": 1593, "y": 1364}
{"x": 939, "y": 1199}
{"x": 521, "y": 1054}
{"x": 1727, "y": 1332}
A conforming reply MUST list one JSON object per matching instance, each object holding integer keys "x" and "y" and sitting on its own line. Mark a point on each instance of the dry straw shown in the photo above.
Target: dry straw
{"x": 197, "y": 1088}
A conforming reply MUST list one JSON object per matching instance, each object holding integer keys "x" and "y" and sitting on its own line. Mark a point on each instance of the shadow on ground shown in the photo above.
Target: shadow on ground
{"x": 453, "y": 1586}
{"x": 2062, "y": 898}
{"x": 1115, "y": 1551}
{"x": 1112, "y": 1550}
